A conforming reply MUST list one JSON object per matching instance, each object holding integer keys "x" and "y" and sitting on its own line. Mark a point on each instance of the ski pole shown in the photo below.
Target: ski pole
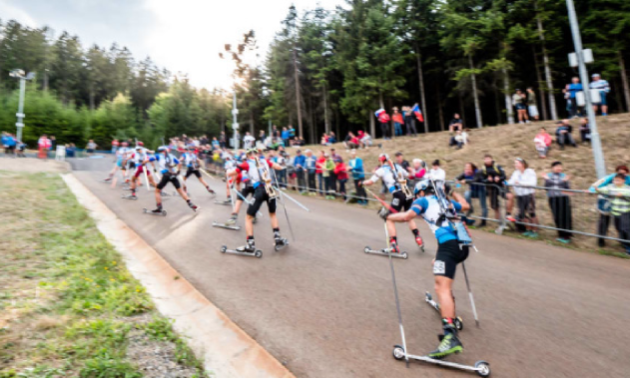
{"x": 470, "y": 295}
{"x": 146, "y": 177}
{"x": 283, "y": 194}
{"x": 286, "y": 214}
{"x": 400, "y": 323}
{"x": 385, "y": 204}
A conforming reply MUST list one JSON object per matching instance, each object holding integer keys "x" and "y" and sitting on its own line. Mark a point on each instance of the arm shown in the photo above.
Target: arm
{"x": 402, "y": 217}
{"x": 461, "y": 201}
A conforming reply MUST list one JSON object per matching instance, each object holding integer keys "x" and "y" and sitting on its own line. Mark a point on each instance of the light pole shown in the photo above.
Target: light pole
{"x": 596, "y": 143}
{"x": 19, "y": 74}
{"x": 235, "y": 120}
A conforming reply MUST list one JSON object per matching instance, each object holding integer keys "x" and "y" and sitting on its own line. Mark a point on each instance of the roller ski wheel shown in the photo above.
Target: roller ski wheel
{"x": 458, "y": 322}
{"x": 153, "y": 212}
{"x": 483, "y": 368}
{"x": 281, "y": 244}
{"x": 130, "y": 198}
{"x": 385, "y": 252}
{"x": 398, "y": 352}
{"x": 225, "y": 225}
{"x": 241, "y": 251}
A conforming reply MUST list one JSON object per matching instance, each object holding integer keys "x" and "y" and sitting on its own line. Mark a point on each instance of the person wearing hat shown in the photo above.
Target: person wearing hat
{"x": 140, "y": 158}
{"x": 519, "y": 99}
{"x": 523, "y": 180}
{"x": 169, "y": 167}
{"x": 559, "y": 201}
{"x": 391, "y": 173}
{"x": 603, "y": 87}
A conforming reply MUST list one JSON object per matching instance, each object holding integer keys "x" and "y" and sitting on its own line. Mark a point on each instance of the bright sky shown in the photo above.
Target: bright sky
{"x": 181, "y": 35}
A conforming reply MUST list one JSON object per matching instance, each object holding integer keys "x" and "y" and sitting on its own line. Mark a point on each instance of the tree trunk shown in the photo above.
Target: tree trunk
{"x": 372, "y": 125}
{"x": 92, "y": 104}
{"x": 541, "y": 91}
{"x": 440, "y": 110}
{"x": 45, "y": 86}
{"x": 422, "y": 95}
{"x": 624, "y": 80}
{"x": 552, "y": 99}
{"x": 326, "y": 121}
{"x": 462, "y": 110}
{"x": 497, "y": 105}
{"x": 297, "y": 94}
{"x": 506, "y": 94}
{"x": 475, "y": 94}
{"x": 252, "y": 127}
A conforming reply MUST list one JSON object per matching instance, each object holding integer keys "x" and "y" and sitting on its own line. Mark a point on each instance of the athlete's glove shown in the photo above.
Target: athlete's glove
{"x": 384, "y": 213}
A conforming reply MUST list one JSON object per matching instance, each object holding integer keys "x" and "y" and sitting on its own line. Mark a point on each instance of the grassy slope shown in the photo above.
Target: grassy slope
{"x": 67, "y": 303}
{"x": 507, "y": 142}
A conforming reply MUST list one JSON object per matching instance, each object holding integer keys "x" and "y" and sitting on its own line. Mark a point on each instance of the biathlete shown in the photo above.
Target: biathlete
{"x": 449, "y": 254}
{"x": 169, "y": 168}
{"x": 395, "y": 180}
{"x": 258, "y": 172}
{"x": 121, "y": 155}
{"x": 139, "y": 158}
{"x": 191, "y": 160}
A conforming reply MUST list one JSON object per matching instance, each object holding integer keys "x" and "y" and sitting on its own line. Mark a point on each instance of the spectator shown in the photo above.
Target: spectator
{"x": 285, "y": 136}
{"x": 383, "y": 119}
{"x": 455, "y": 124}
{"x": 410, "y": 121}
{"x": 332, "y": 138}
{"x": 90, "y": 147}
{"x": 311, "y": 170}
{"x": 21, "y": 146}
{"x": 324, "y": 140}
{"x": 542, "y": 141}
{"x": 71, "y": 150}
{"x": 472, "y": 177}
{"x": 585, "y": 131}
{"x": 53, "y": 143}
{"x": 329, "y": 173}
{"x": 319, "y": 165}
{"x": 400, "y": 160}
{"x": 43, "y": 144}
{"x": 274, "y": 132}
{"x": 493, "y": 176}
{"x": 603, "y": 204}
{"x": 532, "y": 104}
{"x": 563, "y": 134}
{"x": 281, "y": 160}
{"x": 299, "y": 162}
{"x": 417, "y": 171}
{"x": 460, "y": 139}
{"x": 215, "y": 143}
{"x": 300, "y": 141}
{"x": 351, "y": 141}
{"x": 619, "y": 195}
{"x": 358, "y": 176}
{"x": 8, "y": 142}
{"x": 262, "y": 135}
{"x": 398, "y": 122}
{"x": 291, "y": 135}
{"x": 437, "y": 174}
{"x": 222, "y": 140}
{"x": 604, "y": 88}
{"x": 341, "y": 172}
{"x": 518, "y": 100}
{"x": 365, "y": 139}
{"x": 248, "y": 141}
{"x": 559, "y": 201}
{"x": 334, "y": 157}
{"x": 571, "y": 91}
{"x": 523, "y": 179}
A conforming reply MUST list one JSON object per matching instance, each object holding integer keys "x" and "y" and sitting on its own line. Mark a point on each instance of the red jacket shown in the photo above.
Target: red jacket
{"x": 341, "y": 171}
{"x": 384, "y": 118}
{"x": 398, "y": 118}
{"x": 319, "y": 165}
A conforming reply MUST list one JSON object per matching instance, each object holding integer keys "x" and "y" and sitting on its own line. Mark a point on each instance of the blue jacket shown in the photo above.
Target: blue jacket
{"x": 299, "y": 160}
{"x": 311, "y": 163}
{"x": 358, "y": 173}
{"x": 285, "y": 134}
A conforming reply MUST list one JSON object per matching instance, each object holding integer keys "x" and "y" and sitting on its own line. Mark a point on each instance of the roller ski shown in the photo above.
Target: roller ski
{"x": 247, "y": 250}
{"x": 131, "y": 197}
{"x": 227, "y": 202}
{"x": 159, "y": 211}
{"x": 458, "y": 322}
{"x": 280, "y": 243}
{"x": 230, "y": 224}
{"x": 194, "y": 207}
{"x": 393, "y": 250}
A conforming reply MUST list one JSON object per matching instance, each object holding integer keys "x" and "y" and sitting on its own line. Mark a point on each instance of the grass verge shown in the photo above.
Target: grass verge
{"x": 68, "y": 306}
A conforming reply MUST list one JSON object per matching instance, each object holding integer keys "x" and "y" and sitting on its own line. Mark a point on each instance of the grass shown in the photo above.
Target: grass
{"x": 507, "y": 142}
{"x": 67, "y": 303}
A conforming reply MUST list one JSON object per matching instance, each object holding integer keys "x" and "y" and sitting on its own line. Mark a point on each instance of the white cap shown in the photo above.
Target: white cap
{"x": 595, "y": 74}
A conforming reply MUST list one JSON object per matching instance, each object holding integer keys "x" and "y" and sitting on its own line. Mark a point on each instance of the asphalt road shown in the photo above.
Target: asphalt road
{"x": 326, "y": 309}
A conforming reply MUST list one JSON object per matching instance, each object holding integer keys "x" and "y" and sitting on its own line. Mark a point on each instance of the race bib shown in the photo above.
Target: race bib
{"x": 439, "y": 267}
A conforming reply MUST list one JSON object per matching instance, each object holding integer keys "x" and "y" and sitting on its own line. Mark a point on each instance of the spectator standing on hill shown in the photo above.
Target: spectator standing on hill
{"x": 410, "y": 121}
{"x": 383, "y": 119}
{"x": 358, "y": 176}
{"x": 311, "y": 171}
{"x": 532, "y": 104}
{"x": 542, "y": 141}
{"x": 398, "y": 122}
{"x": 472, "y": 177}
{"x": 619, "y": 196}
{"x": 285, "y": 136}
{"x": 299, "y": 163}
{"x": 319, "y": 165}
{"x": 603, "y": 204}
{"x": 572, "y": 90}
{"x": 563, "y": 134}
{"x": 493, "y": 176}
{"x": 523, "y": 179}
{"x": 455, "y": 124}
{"x": 585, "y": 131}
{"x": 518, "y": 100}
{"x": 559, "y": 201}
{"x": 341, "y": 171}
{"x": 604, "y": 88}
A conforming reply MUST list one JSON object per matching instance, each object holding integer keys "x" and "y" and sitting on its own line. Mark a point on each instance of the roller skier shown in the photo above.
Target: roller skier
{"x": 191, "y": 160}
{"x": 394, "y": 178}
{"x": 139, "y": 157}
{"x": 449, "y": 254}
{"x": 121, "y": 156}
{"x": 169, "y": 167}
{"x": 258, "y": 172}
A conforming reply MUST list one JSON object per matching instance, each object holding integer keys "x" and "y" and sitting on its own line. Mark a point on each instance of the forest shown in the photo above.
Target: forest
{"x": 326, "y": 70}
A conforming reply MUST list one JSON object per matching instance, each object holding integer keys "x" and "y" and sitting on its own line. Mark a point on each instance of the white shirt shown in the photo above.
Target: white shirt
{"x": 248, "y": 141}
{"x": 437, "y": 174}
{"x": 526, "y": 178}
{"x": 390, "y": 180}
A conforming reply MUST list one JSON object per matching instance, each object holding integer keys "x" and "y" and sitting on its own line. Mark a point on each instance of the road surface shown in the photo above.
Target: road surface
{"x": 326, "y": 309}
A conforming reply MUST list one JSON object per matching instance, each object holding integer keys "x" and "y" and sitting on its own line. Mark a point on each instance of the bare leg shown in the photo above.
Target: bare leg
{"x": 443, "y": 290}
{"x": 249, "y": 226}
{"x": 391, "y": 229}
{"x": 183, "y": 194}
{"x": 158, "y": 197}
{"x": 274, "y": 220}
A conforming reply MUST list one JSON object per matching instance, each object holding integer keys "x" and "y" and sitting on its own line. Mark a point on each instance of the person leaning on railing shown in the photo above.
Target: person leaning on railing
{"x": 603, "y": 204}
{"x": 473, "y": 177}
{"x": 559, "y": 201}
{"x": 523, "y": 179}
{"x": 619, "y": 195}
{"x": 493, "y": 176}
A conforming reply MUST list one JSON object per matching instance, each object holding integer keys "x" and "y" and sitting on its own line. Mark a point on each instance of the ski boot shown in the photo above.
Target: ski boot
{"x": 449, "y": 343}
{"x": 281, "y": 243}
{"x": 193, "y": 206}
{"x": 211, "y": 191}
{"x": 157, "y": 211}
{"x": 247, "y": 250}
{"x": 420, "y": 243}
{"x": 393, "y": 246}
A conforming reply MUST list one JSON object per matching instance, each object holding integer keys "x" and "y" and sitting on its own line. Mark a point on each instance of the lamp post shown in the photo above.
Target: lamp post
{"x": 235, "y": 120}
{"x": 596, "y": 143}
{"x": 19, "y": 74}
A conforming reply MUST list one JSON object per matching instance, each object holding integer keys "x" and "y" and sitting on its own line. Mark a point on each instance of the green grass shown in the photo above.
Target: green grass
{"x": 67, "y": 301}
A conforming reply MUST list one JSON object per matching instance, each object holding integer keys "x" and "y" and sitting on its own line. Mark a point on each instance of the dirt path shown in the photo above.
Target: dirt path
{"x": 326, "y": 309}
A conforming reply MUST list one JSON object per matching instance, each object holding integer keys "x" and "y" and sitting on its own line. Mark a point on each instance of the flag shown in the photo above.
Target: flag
{"x": 378, "y": 112}
{"x": 416, "y": 110}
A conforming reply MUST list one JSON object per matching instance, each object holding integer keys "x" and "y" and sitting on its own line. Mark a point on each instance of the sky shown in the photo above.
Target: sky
{"x": 184, "y": 36}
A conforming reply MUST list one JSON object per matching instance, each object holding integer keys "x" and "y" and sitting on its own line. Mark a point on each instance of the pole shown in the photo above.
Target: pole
{"x": 235, "y": 121}
{"x": 20, "y": 113}
{"x": 596, "y": 143}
